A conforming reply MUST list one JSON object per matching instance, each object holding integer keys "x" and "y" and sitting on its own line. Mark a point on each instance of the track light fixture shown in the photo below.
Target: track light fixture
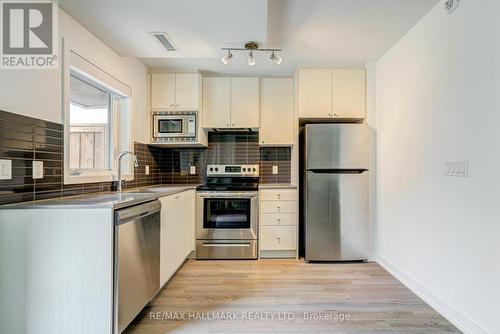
{"x": 252, "y": 47}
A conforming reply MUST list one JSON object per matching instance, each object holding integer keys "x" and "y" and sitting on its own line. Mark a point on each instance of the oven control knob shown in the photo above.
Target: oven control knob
{"x": 216, "y": 169}
{"x": 244, "y": 169}
{"x": 254, "y": 169}
{"x": 211, "y": 169}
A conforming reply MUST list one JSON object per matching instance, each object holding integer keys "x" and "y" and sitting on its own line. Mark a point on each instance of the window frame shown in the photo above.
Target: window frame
{"x": 120, "y": 137}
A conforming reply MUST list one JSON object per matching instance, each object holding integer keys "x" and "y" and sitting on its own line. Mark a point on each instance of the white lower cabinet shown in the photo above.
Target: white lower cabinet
{"x": 278, "y": 238}
{"x": 278, "y": 206}
{"x": 278, "y": 223}
{"x": 177, "y": 232}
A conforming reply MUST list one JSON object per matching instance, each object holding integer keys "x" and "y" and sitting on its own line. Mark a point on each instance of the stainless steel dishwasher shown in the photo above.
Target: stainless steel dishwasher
{"x": 136, "y": 262}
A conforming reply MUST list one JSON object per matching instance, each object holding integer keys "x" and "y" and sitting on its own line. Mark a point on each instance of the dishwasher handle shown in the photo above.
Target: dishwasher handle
{"x": 137, "y": 211}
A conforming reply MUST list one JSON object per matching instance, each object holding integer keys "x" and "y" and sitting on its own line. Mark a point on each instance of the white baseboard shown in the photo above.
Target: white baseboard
{"x": 457, "y": 318}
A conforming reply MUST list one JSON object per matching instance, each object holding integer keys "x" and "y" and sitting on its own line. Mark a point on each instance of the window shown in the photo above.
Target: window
{"x": 96, "y": 124}
{"x": 89, "y": 120}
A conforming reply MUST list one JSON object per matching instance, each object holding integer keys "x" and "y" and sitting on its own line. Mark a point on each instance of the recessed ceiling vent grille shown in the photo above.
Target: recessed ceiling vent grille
{"x": 451, "y": 5}
{"x": 164, "y": 40}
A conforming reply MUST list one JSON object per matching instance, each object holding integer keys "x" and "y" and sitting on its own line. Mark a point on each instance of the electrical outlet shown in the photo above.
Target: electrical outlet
{"x": 275, "y": 169}
{"x": 192, "y": 170}
{"x": 37, "y": 169}
{"x": 456, "y": 168}
{"x": 5, "y": 169}
{"x": 146, "y": 171}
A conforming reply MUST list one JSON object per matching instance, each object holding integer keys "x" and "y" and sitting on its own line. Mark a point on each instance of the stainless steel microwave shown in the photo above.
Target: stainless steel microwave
{"x": 174, "y": 126}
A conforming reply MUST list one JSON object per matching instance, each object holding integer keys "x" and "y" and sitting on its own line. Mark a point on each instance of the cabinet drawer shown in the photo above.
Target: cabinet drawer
{"x": 278, "y": 219}
{"x": 278, "y": 206}
{"x": 278, "y": 195}
{"x": 278, "y": 238}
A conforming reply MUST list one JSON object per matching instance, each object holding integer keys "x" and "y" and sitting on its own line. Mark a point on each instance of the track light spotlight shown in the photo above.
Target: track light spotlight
{"x": 227, "y": 58}
{"x": 275, "y": 58}
{"x": 251, "y": 59}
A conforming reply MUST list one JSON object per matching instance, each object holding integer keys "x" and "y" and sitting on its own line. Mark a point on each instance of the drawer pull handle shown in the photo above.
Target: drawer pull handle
{"x": 279, "y": 221}
{"x": 279, "y": 240}
{"x": 279, "y": 196}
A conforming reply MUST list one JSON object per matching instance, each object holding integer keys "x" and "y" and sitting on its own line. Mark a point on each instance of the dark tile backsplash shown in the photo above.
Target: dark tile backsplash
{"x": 279, "y": 156}
{"x": 24, "y": 139}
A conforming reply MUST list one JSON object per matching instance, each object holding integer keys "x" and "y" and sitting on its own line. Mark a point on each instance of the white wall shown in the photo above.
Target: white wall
{"x": 37, "y": 93}
{"x": 437, "y": 99}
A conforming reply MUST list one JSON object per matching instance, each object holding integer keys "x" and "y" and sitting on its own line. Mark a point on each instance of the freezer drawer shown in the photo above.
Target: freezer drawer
{"x": 336, "y": 217}
{"x": 336, "y": 146}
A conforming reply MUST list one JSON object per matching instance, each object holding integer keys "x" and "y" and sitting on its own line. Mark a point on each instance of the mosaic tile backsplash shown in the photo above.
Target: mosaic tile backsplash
{"x": 24, "y": 139}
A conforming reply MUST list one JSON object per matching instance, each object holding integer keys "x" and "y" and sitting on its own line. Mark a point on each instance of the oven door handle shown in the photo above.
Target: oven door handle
{"x": 214, "y": 244}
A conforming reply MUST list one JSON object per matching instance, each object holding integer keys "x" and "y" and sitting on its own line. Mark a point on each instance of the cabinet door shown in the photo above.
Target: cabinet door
{"x": 278, "y": 206}
{"x": 191, "y": 212}
{"x": 186, "y": 91}
{"x": 278, "y": 238}
{"x": 244, "y": 102}
{"x": 216, "y": 102}
{"x": 315, "y": 93}
{"x": 276, "y": 111}
{"x": 162, "y": 91}
{"x": 167, "y": 247}
{"x": 349, "y": 93}
{"x": 278, "y": 219}
{"x": 185, "y": 210}
{"x": 278, "y": 195}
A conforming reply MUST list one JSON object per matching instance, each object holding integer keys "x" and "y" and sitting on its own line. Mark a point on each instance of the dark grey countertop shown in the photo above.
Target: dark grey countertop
{"x": 111, "y": 200}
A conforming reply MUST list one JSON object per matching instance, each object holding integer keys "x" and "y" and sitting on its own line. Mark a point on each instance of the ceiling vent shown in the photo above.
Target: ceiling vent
{"x": 164, "y": 40}
{"x": 451, "y": 5}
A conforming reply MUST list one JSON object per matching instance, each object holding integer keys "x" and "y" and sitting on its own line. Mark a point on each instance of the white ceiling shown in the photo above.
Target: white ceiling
{"x": 311, "y": 32}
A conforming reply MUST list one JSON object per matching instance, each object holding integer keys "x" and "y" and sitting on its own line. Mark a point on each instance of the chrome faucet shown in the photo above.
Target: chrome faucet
{"x": 136, "y": 164}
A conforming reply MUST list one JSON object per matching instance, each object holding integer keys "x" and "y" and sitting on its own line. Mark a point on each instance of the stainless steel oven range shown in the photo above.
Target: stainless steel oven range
{"x": 227, "y": 213}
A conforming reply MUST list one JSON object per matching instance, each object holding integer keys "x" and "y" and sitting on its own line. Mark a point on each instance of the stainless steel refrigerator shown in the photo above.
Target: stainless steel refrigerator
{"x": 335, "y": 198}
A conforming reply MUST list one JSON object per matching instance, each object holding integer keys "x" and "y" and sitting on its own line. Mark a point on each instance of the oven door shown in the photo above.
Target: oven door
{"x": 227, "y": 216}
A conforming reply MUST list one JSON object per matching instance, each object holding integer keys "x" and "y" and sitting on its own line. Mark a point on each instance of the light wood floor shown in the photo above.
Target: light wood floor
{"x": 374, "y": 301}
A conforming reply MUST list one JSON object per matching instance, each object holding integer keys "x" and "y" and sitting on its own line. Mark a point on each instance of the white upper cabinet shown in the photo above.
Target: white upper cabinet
{"x": 216, "y": 102}
{"x": 175, "y": 91}
{"x": 186, "y": 91}
{"x": 315, "y": 93}
{"x": 230, "y": 102}
{"x": 349, "y": 93}
{"x": 162, "y": 91}
{"x": 276, "y": 111}
{"x": 244, "y": 102}
{"x": 332, "y": 93}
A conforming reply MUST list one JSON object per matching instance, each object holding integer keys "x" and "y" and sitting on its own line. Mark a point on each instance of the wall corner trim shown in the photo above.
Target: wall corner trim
{"x": 457, "y": 318}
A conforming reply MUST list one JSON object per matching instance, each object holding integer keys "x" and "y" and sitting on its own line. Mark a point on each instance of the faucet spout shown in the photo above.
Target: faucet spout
{"x": 136, "y": 164}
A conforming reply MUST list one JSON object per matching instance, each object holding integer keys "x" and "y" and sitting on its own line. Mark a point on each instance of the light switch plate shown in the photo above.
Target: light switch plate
{"x": 192, "y": 170}
{"x": 456, "y": 168}
{"x": 275, "y": 169}
{"x": 37, "y": 169}
{"x": 146, "y": 171}
{"x": 5, "y": 169}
